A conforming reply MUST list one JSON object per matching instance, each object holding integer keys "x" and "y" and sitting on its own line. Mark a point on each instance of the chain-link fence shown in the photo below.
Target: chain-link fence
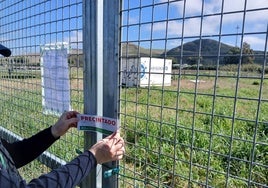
{"x": 193, "y": 87}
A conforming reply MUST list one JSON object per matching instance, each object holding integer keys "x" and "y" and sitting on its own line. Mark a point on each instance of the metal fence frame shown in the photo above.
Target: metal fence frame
{"x": 101, "y": 71}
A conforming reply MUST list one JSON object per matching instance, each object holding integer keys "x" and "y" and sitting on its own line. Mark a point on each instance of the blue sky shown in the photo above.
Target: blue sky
{"x": 254, "y": 27}
{"x": 150, "y": 23}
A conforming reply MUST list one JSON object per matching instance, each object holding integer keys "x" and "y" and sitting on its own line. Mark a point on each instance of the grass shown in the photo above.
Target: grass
{"x": 202, "y": 138}
{"x": 184, "y": 135}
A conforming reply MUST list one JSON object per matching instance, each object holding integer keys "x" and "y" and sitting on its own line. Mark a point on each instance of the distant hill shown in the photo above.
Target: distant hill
{"x": 209, "y": 51}
{"x": 208, "y": 48}
{"x": 190, "y": 50}
{"x": 132, "y": 50}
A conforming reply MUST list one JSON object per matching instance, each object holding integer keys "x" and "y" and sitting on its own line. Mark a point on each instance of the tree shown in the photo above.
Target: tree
{"x": 248, "y": 54}
{"x": 193, "y": 60}
{"x": 233, "y": 55}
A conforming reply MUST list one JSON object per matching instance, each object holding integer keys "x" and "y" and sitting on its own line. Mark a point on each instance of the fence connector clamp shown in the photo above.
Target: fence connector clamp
{"x": 109, "y": 173}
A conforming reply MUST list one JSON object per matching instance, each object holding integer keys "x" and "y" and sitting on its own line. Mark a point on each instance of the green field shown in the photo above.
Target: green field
{"x": 202, "y": 133}
{"x": 187, "y": 134}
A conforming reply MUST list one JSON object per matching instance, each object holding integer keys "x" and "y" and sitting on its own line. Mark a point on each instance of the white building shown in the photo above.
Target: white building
{"x": 146, "y": 71}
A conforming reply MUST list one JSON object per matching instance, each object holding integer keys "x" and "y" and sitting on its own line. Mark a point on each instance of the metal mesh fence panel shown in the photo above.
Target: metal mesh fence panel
{"x": 204, "y": 124}
{"x": 193, "y": 88}
{"x": 26, "y": 27}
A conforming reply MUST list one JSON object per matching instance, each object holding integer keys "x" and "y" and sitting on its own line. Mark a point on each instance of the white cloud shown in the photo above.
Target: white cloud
{"x": 255, "y": 4}
{"x": 74, "y": 39}
{"x": 133, "y": 20}
{"x": 174, "y": 28}
{"x": 255, "y": 42}
{"x": 193, "y": 7}
{"x": 191, "y": 27}
{"x": 258, "y": 16}
{"x": 255, "y": 21}
{"x": 76, "y": 36}
{"x": 211, "y": 25}
{"x": 233, "y": 5}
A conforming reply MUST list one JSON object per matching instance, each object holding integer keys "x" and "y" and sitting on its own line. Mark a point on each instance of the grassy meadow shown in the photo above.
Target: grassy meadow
{"x": 214, "y": 132}
{"x": 197, "y": 134}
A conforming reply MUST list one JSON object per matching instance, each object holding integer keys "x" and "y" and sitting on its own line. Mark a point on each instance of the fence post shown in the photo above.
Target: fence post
{"x": 111, "y": 33}
{"x": 100, "y": 48}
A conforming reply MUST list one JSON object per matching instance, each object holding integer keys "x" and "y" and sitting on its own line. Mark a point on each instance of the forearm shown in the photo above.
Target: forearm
{"x": 68, "y": 175}
{"x": 24, "y": 151}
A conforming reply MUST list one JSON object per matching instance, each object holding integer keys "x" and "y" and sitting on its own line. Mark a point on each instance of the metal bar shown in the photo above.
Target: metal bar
{"x": 110, "y": 72}
{"x": 254, "y": 144}
{"x": 214, "y": 99}
{"x": 99, "y": 80}
{"x": 91, "y": 50}
{"x": 101, "y": 72}
{"x": 235, "y": 101}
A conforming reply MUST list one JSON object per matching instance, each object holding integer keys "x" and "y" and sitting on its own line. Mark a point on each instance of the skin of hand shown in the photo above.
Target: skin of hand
{"x": 66, "y": 121}
{"x": 109, "y": 149}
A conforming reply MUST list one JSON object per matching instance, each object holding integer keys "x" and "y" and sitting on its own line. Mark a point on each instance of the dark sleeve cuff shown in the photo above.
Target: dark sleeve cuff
{"x": 26, "y": 150}
{"x": 51, "y": 135}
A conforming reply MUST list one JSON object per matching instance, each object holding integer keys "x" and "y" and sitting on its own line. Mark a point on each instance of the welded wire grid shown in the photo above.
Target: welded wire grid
{"x": 209, "y": 127}
{"x": 26, "y": 26}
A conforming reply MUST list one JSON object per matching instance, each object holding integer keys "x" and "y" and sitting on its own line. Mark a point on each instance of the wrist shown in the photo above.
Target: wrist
{"x": 54, "y": 132}
{"x": 93, "y": 152}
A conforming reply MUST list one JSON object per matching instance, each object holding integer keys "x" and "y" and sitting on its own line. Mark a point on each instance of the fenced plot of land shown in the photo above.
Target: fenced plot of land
{"x": 198, "y": 128}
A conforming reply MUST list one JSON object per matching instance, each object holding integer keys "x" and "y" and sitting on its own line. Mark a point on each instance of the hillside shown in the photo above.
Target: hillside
{"x": 190, "y": 50}
{"x": 209, "y": 51}
{"x": 208, "y": 48}
{"x": 132, "y": 50}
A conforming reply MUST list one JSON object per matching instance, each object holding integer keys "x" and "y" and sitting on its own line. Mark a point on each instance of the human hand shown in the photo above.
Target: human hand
{"x": 66, "y": 121}
{"x": 109, "y": 149}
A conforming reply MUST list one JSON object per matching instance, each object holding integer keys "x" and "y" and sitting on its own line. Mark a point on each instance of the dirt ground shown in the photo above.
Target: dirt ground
{"x": 190, "y": 84}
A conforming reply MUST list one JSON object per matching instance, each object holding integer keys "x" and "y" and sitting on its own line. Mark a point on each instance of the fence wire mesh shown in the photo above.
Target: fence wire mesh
{"x": 26, "y": 26}
{"x": 207, "y": 125}
{"x": 198, "y": 122}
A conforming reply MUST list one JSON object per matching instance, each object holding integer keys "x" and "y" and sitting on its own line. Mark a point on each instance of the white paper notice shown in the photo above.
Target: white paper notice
{"x": 97, "y": 124}
{"x": 55, "y": 79}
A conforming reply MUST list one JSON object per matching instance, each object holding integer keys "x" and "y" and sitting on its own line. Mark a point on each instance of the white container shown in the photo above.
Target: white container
{"x": 146, "y": 71}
